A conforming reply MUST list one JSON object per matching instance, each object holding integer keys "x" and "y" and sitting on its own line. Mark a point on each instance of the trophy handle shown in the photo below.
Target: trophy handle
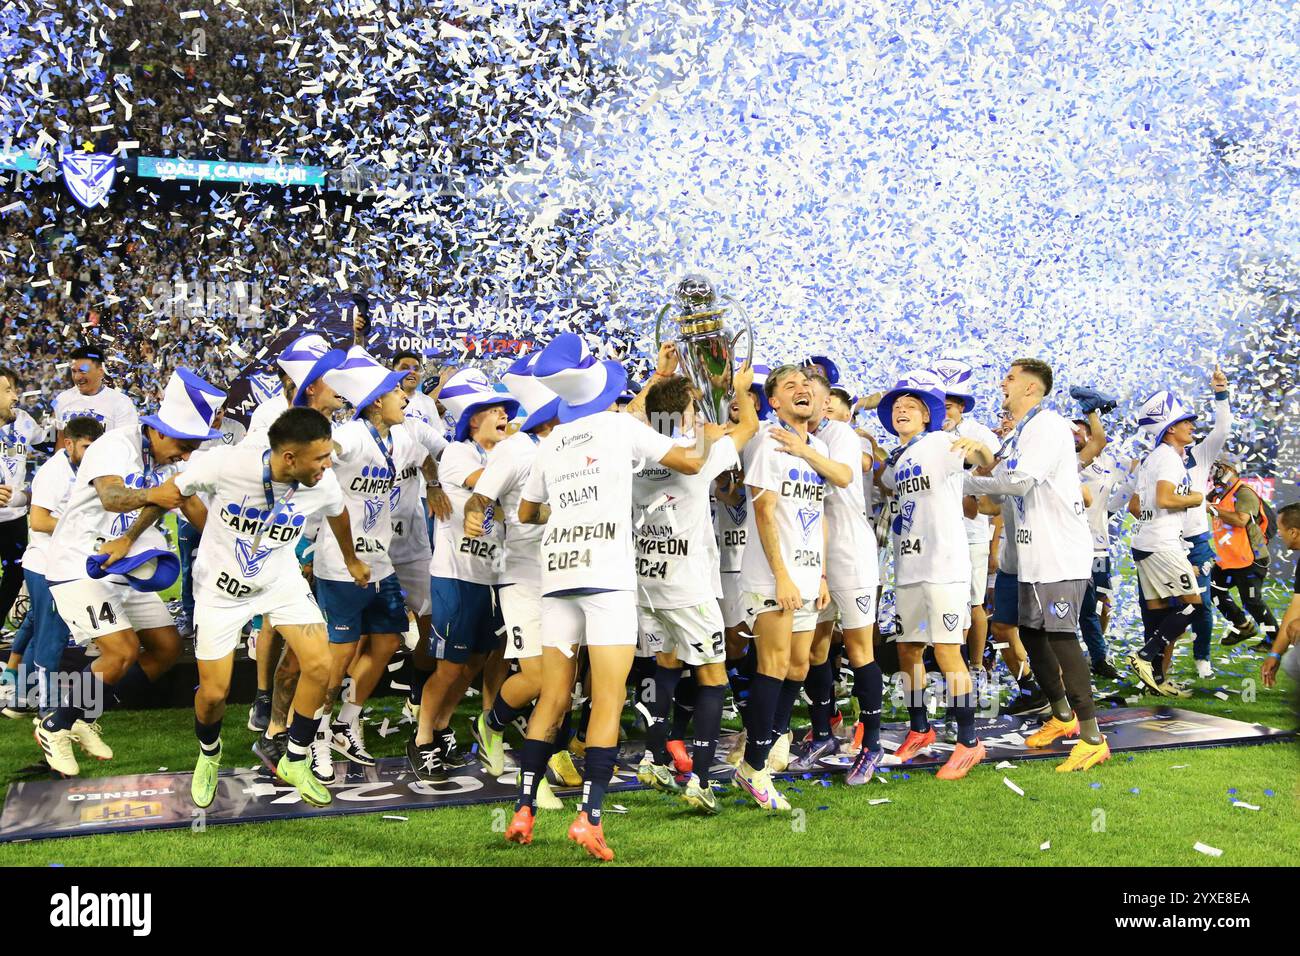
{"x": 659, "y": 323}
{"x": 747, "y": 331}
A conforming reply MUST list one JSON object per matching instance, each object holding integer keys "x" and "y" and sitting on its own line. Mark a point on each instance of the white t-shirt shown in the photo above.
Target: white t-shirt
{"x": 676, "y": 553}
{"x": 729, "y": 528}
{"x": 16, "y": 440}
{"x": 108, "y": 406}
{"x": 476, "y": 560}
{"x": 423, "y": 408}
{"x": 1053, "y": 541}
{"x": 851, "y": 562}
{"x": 1160, "y": 529}
{"x": 248, "y": 543}
{"x": 584, "y": 472}
{"x": 51, "y": 488}
{"x": 800, "y": 503}
{"x": 264, "y": 416}
{"x": 1201, "y": 457}
{"x": 508, "y": 466}
{"x": 410, "y": 529}
{"x": 928, "y": 532}
{"x": 978, "y": 529}
{"x": 366, "y": 476}
{"x": 85, "y": 525}
{"x": 1099, "y": 478}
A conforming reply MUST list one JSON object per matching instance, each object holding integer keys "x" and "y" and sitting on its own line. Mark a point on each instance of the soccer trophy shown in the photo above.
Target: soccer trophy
{"x": 706, "y": 345}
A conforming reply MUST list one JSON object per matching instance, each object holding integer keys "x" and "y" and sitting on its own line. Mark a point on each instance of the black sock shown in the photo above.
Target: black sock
{"x": 128, "y": 691}
{"x": 683, "y": 706}
{"x": 739, "y": 683}
{"x": 532, "y": 770}
{"x": 502, "y": 713}
{"x": 209, "y": 737}
{"x": 61, "y": 718}
{"x": 584, "y": 718}
{"x": 565, "y": 732}
{"x": 67, "y": 713}
{"x": 302, "y": 731}
{"x": 640, "y": 678}
{"x": 708, "y": 725}
{"x": 418, "y": 678}
{"x": 665, "y": 685}
{"x": 786, "y": 698}
{"x": 869, "y": 689}
{"x": 1168, "y": 630}
{"x": 598, "y": 768}
{"x": 763, "y": 693}
{"x": 821, "y": 692}
{"x": 963, "y": 710}
{"x": 918, "y": 719}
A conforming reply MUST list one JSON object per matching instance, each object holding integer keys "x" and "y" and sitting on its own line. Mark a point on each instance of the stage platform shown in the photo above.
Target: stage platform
{"x": 42, "y": 809}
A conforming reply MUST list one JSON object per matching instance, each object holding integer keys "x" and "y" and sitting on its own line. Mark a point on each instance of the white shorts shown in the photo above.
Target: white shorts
{"x": 805, "y": 618}
{"x": 414, "y": 578}
{"x": 607, "y": 619}
{"x": 1167, "y": 574}
{"x": 733, "y": 603}
{"x": 694, "y": 634}
{"x": 979, "y": 572}
{"x": 852, "y": 607}
{"x": 933, "y": 613}
{"x": 219, "y": 621}
{"x": 521, "y": 609}
{"x": 92, "y": 608}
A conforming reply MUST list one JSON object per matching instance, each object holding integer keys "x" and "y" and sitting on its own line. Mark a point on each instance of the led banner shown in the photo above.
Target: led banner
{"x": 444, "y": 332}
{"x": 222, "y": 171}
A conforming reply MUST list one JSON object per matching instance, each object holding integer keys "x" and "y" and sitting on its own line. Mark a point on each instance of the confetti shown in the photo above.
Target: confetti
{"x": 1012, "y": 787}
{"x": 1206, "y": 849}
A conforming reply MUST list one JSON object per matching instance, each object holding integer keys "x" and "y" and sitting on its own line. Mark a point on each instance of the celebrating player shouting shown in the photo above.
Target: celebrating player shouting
{"x": 260, "y": 500}
{"x": 1167, "y": 578}
{"x": 1037, "y": 465}
{"x": 852, "y": 577}
{"x": 931, "y": 559}
{"x": 782, "y": 580}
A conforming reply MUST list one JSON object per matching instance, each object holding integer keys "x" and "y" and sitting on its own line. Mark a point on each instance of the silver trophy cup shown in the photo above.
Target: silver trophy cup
{"x": 710, "y": 329}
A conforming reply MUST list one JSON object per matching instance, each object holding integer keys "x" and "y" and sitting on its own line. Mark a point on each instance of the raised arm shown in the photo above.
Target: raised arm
{"x": 1096, "y": 439}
